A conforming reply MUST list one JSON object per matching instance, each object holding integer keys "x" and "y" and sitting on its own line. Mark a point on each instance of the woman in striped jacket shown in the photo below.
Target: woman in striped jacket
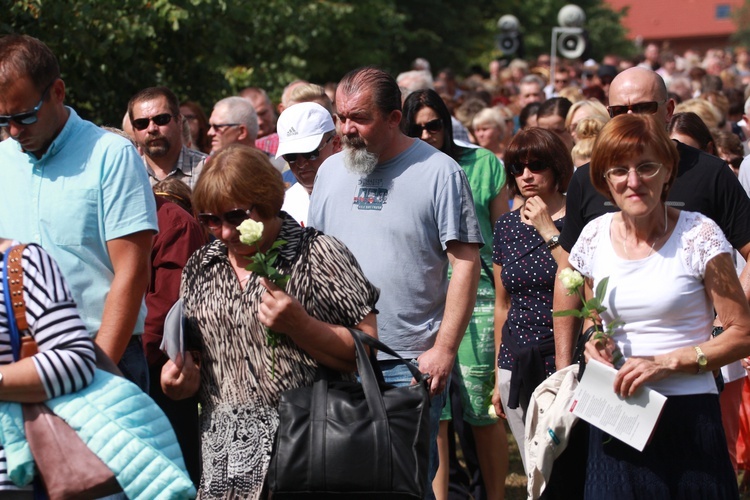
{"x": 65, "y": 362}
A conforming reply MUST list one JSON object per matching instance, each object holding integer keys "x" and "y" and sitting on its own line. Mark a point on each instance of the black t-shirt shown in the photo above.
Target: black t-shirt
{"x": 704, "y": 184}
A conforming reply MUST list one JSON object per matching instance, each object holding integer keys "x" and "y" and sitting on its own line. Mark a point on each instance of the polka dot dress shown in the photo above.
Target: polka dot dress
{"x": 528, "y": 277}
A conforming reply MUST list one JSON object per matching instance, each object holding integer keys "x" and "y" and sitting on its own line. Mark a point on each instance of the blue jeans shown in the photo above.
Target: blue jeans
{"x": 133, "y": 364}
{"x": 397, "y": 374}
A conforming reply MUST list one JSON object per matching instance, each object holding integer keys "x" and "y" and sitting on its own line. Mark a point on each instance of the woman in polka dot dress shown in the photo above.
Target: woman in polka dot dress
{"x": 525, "y": 250}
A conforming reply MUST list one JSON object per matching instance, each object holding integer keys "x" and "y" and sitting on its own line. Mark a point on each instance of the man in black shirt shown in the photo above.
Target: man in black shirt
{"x": 704, "y": 184}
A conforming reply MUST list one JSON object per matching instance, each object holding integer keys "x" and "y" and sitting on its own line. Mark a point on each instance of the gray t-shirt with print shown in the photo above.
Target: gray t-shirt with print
{"x": 397, "y": 222}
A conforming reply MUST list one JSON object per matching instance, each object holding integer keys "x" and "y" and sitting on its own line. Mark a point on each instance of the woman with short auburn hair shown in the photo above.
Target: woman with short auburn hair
{"x": 240, "y": 174}
{"x": 667, "y": 271}
{"x": 627, "y": 138}
{"x": 240, "y": 375}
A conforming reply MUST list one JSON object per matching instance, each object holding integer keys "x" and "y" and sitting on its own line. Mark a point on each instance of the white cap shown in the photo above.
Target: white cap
{"x": 301, "y": 127}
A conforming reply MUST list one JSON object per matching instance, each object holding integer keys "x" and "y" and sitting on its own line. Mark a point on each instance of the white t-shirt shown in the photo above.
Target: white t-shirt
{"x": 297, "y": 203}
{"x": 661, "y": 298}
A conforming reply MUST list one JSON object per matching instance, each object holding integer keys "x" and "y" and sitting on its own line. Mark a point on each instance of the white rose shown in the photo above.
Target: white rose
{"x": 491, "y": 412}
{"x": 571, "y": 279}
{"x": 250, "y": 231}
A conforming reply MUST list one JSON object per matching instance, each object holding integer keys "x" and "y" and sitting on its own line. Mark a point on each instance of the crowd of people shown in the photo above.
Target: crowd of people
{"x": 432, "y": 213}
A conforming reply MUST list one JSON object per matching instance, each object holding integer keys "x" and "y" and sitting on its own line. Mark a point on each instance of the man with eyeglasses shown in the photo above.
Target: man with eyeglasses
{"x": 307, "y": 137}
{"x": 155, "y": 116}
{"x": 82, "y": 194}
{"x": 233, "y": 119}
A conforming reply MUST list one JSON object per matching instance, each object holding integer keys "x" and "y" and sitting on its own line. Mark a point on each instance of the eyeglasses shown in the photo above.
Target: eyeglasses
{"x": 219, "y": 127}
{"x": 27, "y": 117}
{"x": 535, "y": 166}
{"x": 639, "y": 108}
{"x": 432, "y": 127}
{"x": 142, "y": 123}
{"x": 562, "y": 81}
{"x": 311, "y": 156}
{"x": 233, "y": 218}
{"x": 643, "y": 171}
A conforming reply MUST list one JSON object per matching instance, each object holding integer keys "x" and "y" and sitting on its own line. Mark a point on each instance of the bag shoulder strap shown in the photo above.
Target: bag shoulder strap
{"x": 15, "y": 304}
{"x": 14, "y": 276}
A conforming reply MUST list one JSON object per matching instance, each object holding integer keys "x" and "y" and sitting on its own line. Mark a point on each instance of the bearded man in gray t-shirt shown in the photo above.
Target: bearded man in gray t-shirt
{"x": 406, "y": 212}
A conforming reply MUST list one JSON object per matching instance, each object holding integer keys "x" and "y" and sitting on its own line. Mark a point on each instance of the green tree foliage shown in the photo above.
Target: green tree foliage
{"x": 538, "y": 17}
{"x": 207, "y": 49}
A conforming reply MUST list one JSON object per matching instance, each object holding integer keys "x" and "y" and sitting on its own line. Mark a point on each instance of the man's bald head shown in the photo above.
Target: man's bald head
{"x": 640, "y": 85}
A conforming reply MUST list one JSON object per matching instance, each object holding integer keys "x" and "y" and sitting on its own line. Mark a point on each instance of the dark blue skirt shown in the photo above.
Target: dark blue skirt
{"x": 687, "y": 457}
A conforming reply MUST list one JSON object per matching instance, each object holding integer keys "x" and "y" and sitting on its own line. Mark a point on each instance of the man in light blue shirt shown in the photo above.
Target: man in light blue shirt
{"x": 82, "y": 194}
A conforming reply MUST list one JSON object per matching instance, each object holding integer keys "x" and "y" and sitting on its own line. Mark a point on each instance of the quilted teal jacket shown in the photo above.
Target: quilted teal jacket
{"x": 119, "y": 423}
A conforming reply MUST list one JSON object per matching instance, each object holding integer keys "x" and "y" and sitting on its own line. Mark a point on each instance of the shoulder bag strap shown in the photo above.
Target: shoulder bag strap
{"x": 15, "y": 305}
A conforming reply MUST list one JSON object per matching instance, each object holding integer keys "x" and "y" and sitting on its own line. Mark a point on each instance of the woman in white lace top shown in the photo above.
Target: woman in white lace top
{"x": 667, "y": 271}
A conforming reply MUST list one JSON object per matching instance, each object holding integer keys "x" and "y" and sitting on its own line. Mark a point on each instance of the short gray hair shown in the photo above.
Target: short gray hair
{"x": 532, "y": 79}
{"x": 240, "y": 110}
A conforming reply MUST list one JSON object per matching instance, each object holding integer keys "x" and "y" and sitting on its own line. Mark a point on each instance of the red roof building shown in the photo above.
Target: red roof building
{"x": 680, "y": 24}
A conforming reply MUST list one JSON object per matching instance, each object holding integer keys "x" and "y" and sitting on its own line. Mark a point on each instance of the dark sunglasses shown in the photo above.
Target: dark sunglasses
{"x": 640, "y": 108}
{"x": 432, "y": 126}
{"x": 535, "y": 166}
{"x": 311, "y": 156}
{"x": 233, "y": 218}
{"x": 27, "y": 117}
{"x": 161, "y": 120}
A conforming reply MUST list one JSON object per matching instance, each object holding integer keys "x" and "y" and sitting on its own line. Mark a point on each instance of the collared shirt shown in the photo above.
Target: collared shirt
{"x": 268, "y": 143}
{"x": 188, "y": 167}
{"x": 87, "y": 189}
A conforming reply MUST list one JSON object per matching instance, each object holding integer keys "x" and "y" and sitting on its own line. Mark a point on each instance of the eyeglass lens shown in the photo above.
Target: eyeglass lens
{"x": 432, "y": 126}
{"x": 639, "y": 108}
{"x": 161, "y": 120}
{"x": 535, "y": 166}
{"x": 643, "y": 171}
{"x": 27, "y": 117}
{"x": 311, "y": 156}
{"x": 233, "y": 217}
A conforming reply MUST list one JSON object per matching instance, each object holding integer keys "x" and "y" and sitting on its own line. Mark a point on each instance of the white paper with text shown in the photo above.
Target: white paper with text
{"x": 631, "y": 420}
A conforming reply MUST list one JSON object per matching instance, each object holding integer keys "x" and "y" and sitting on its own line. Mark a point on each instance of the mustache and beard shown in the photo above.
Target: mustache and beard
{"x": 356, "y": 157}
{"x": 156, "y": 146}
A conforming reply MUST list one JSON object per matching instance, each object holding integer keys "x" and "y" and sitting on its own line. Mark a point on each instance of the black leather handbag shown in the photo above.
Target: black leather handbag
{"x": 346, "y": 439}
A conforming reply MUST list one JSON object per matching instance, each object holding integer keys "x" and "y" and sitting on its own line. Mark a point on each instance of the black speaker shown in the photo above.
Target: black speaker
{"x": 571, "y": 45}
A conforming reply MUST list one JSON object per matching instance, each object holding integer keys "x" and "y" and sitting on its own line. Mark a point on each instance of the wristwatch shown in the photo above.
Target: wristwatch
{"x": 701, "y": 359}
{"x": 553, "y": 242}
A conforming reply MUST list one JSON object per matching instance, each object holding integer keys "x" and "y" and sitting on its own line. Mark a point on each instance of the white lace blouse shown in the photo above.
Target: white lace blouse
{"x": 661, "y": 298}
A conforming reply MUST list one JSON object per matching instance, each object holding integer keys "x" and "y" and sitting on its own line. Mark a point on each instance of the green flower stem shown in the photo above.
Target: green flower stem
{"x": 617, "y": 357}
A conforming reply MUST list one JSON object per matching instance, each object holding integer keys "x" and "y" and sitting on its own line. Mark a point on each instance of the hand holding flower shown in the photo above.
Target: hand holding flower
{"x": 600, "y": 346}
{"x": 601, "y": 349}
{"x": 251, "y": 233}
{"x": 280, "y": 311}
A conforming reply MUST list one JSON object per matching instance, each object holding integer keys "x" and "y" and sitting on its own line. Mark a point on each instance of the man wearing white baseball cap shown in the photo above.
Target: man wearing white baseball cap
{"x": 307, "y": 137}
